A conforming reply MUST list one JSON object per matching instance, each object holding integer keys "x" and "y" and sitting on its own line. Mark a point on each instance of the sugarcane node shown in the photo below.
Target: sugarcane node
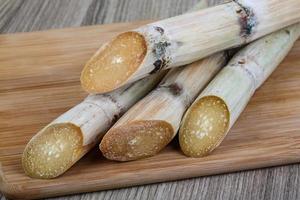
{"x": 247, "y": 19}
{"x": 159, "y": 64}
{"x": 174, "y": 88}
{"x": 159, "y": 52}
{"x": 113, "y": 100}
{"x": 288, "y": 32}
{"x": 159, "y": 29}
{"x": 160, "y": 48}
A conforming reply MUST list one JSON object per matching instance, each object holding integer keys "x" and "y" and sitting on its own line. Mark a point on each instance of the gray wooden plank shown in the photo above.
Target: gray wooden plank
{"x": 8, "y": 8}
{"x": 115, "y": 11}
{"x": 273, "y": 183}
{"x": 31, "y": 15}
{"x": 109, "y": 11}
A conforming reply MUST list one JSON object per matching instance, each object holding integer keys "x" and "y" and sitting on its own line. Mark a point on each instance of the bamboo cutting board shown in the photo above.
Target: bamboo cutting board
{"x": 39, "y": 80}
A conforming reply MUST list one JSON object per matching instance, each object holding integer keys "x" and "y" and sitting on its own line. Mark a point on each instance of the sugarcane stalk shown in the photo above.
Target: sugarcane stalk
{"x": 184, "y": 39}
{"x": 58, "y": 146}
{"x": 153, "y": 122}
{"x": 208, "y": 120}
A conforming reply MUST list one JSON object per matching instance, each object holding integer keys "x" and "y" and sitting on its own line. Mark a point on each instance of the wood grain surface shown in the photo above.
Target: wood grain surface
{"x": 30, "y": 15}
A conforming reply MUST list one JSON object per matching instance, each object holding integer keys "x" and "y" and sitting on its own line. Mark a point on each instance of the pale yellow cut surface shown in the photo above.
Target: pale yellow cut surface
{"x": 136, "y": 140}
{"x": 52, "y": 151}
{"x": 204, "y": 126}
{"x": 114, "y": 63}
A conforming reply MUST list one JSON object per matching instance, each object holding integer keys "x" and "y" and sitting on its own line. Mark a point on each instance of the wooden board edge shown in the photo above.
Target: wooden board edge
{"x": 7, "y": 189}
{"x": 19, "y": 192}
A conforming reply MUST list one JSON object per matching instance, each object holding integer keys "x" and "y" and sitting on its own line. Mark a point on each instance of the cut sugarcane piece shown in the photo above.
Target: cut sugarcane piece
{"x": 123, "y": 55}
{"x": 214, "y": 112}
{"x": 184, "y": 39}
{"x": 79, "y": 129}
{"x": 154, "y": 121}
{"x": 64, "y": 141}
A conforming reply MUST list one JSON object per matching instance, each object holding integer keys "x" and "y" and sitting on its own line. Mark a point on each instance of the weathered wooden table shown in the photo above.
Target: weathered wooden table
{"x": 33, "y": 15}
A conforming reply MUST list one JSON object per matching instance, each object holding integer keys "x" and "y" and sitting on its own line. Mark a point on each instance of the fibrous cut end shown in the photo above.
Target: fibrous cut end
{"x": 53, "y": 151}
{"x": 204, "y": 126}
{"x": 136, "y": 140}
{"x": 113, "y": 64}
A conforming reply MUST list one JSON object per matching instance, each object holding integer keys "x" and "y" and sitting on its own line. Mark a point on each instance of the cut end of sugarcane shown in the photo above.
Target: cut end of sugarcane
{"x": 114, "y": 63}
{"x": 204, "y": 126}
{"x": 136, "y": 140}
{"x": 53, "y": 151}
